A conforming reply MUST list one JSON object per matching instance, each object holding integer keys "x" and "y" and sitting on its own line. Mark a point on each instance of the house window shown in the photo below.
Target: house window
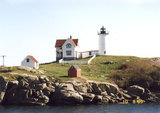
{"x": 68, "y": 45}
{"x": 68, "y": 53}
{"x": 104, "y": 52}
{"x": 27, "y": 59}
{"x": 90, "y": 53}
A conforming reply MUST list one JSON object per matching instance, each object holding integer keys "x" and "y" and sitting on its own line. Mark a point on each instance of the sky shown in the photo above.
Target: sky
{"x": 31, "y": 27}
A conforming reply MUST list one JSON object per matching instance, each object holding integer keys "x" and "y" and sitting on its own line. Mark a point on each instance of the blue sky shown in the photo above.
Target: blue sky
{"x": 31, "y": 27}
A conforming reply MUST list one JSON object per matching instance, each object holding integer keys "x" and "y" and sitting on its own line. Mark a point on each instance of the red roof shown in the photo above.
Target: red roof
{"x": 33, "y": 58}
{"x": 60, "y": 42}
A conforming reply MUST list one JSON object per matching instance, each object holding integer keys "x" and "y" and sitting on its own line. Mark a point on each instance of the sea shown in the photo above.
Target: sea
{"x": 110, "y": 108}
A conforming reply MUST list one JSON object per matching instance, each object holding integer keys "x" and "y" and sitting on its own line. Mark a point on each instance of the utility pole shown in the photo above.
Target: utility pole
{"x": 3, "y": 58}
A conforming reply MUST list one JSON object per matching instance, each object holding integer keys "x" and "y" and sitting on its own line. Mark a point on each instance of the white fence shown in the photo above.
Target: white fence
{"x": 77, "y": 62}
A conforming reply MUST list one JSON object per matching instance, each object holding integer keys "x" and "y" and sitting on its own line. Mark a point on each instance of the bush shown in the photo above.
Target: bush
{"x": 142, "y": 73}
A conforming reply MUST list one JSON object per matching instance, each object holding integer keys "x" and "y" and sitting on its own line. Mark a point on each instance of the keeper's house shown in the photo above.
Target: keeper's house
{"x": 67, "y": 49}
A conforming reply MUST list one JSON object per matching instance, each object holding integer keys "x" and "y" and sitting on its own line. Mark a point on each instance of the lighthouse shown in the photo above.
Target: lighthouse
{"x": 101, "y": 44}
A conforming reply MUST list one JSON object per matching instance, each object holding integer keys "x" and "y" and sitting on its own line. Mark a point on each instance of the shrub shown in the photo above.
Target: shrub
{"x": 141, "y": 73}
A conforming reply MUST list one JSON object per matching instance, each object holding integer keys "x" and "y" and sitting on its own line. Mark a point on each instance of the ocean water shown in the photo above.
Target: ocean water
{"x": 111, "y": 108}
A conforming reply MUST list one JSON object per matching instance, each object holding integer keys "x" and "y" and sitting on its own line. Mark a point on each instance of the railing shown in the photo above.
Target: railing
{"x": 76, "y": 62}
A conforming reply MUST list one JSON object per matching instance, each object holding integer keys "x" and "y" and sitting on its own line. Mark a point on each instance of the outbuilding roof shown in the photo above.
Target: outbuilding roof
{"x": 30, "y": 56}
{"x": 60, "y": 42}
{"x": 76, "y": 67}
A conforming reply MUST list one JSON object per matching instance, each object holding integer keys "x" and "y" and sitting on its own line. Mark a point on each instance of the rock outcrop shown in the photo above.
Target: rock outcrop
{"x": 3, "y": 87}
{"x": 34, "y": 90}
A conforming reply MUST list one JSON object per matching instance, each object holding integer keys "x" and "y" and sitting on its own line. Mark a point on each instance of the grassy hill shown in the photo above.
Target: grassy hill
{"x": 101, "y": 65}
{"x": 122, "y": 70}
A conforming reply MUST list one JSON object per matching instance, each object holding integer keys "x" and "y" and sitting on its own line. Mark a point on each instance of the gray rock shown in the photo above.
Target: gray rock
{"x": 87, "y": 98}
{"x": 66, "y": 86}
{"x": 35, "y": 101}
{"x": 40, "y": 86}
{"x": 3, "y": 87}
{"x": 33, "y": 80}
{"x": 98, "y": 88}
{"x": 48, "y": 90}
{"x": 65, "y": 94}
{"x": 126, "y": 96}
{"x": 97, "y": 99}
{"x": 105, "y": 100}
{"x": 136, "y": 90}
{"x": 67, "y": 97}
{"x": 95, "y": 89}
{"x": 23, "y": 84}
{"x": 13, "y": 82}
{"x": 80, "y": 87}
{"x": 43, "y": 79}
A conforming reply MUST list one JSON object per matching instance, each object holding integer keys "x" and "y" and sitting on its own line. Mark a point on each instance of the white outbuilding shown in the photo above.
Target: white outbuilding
{"x": 30, "y": 61}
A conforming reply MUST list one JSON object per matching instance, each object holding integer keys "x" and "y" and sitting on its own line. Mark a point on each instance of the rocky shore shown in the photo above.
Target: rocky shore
{"x": 42, "y": 90}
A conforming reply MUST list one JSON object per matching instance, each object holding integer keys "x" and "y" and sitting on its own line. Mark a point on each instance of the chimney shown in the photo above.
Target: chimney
{"x": 70, "y": 37}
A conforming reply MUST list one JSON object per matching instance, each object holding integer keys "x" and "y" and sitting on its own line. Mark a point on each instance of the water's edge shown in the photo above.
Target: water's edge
{"x": 111, "y": 108}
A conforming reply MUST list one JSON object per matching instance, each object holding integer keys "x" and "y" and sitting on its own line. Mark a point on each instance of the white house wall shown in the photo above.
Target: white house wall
{"x": 86, "y": 54}
{"x": 76, "y": 49}
{"x": 69, "y": 49}
{"x": 31, "y": 63}
{"x": 79, "y": 55}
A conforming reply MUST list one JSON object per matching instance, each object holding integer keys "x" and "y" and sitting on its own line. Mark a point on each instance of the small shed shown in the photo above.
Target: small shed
{"x": 30, "y": 61}
{"x": 74, "y": 71}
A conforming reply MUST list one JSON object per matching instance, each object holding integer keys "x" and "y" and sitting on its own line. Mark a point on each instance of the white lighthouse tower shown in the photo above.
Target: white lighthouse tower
{"x": 101, "y": 43}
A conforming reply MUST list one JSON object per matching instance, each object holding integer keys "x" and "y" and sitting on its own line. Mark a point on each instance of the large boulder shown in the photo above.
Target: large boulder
{"x": 43, "y": 79}
{"x": 3, "y": 87}
{"x": 87, "y": 98}
{"x": 99, "y": 87}
{"x": 65, "y": 94}
{"x": 26, "y": 97}
{"x": 135, "y": 90}
{"x": 21, "y": 92}
{"x": 97, "y": 99}
{"x": 80, "y": 87}
{"x": 50, "y": 89}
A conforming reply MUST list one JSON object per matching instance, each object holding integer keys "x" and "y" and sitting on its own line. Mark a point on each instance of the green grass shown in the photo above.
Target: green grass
{"x": 97, "y": 67}
{"x": 93, "y": 70}
{"x": 84, "y": 59}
